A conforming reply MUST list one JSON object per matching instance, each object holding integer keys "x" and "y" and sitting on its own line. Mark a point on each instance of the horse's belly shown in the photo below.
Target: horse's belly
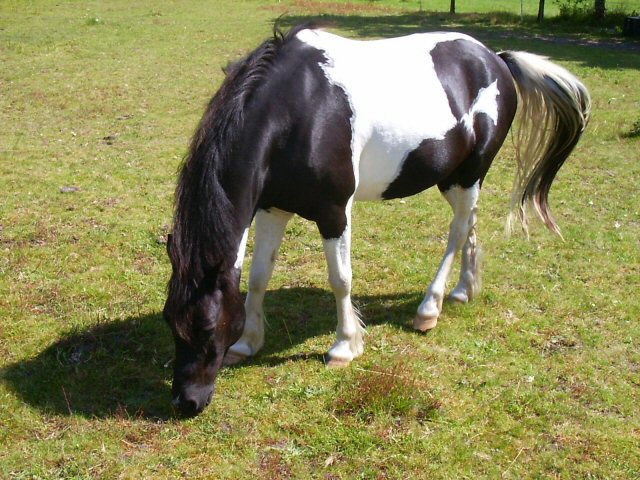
{"x": 384, "y": 138}
{"x": 378, "y": 166}
{"x": 411, "y": 168}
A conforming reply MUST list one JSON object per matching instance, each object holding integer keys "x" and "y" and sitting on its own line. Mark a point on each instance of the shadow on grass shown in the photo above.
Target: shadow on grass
{"x": 297, "y": 314}
{"x": 124, "y": 368}
{"x": 498, "y": 30}
{"x": 113, "y": 368}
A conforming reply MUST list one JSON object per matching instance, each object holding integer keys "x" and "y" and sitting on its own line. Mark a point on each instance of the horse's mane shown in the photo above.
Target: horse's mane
{"x": 204, "y": 224}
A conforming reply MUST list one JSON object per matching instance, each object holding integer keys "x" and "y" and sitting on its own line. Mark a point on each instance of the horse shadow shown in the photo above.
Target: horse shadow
{"x": 123, "y": 368}
{"x": 114, "y": 368}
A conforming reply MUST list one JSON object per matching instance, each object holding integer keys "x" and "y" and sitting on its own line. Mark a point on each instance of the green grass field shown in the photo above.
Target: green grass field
{"x": 539, "y": 377}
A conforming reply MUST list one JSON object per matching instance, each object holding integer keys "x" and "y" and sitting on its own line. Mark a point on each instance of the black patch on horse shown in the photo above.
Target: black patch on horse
{"x": 310, "y": 169}
{"x": 461, "y": 158}
{"x": 429, "y": 163}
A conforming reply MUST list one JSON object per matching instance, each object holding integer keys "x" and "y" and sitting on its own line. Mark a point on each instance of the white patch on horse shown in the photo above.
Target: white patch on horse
{"x": 396, "y": 98}
{"x": 486, "y": 102}
{"x": 241, "y": 249}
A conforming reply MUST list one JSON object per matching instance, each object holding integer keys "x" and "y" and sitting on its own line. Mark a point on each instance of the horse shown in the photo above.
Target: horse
{"x": 310, "y": 122}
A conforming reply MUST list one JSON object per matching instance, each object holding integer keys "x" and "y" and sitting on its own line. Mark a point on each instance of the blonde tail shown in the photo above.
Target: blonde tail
{"x": 554, "y": 108}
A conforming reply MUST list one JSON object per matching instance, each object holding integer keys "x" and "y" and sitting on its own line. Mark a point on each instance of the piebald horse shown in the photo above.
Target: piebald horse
{"x": 310, "y": 122}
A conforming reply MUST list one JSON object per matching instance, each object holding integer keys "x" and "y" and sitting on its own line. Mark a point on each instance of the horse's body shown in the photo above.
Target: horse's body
{"x": 310, "y": 122}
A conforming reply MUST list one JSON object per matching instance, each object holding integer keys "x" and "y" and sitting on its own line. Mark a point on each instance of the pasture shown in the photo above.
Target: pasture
{"x": 539, "y": 377}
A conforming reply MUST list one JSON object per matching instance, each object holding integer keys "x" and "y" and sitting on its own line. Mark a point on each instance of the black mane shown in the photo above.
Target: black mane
{"x": 205, "y": 224}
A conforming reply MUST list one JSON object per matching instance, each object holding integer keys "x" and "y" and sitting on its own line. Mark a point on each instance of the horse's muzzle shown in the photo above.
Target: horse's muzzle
{"x": 193, "y": 400}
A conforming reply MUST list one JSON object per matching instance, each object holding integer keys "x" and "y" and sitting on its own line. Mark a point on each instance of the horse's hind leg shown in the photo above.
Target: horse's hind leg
{"x": 463, "y": 201}
{"x": 469, "y": 283}
{"x": 270, "y": 226}
{"x": 350, "y": 331}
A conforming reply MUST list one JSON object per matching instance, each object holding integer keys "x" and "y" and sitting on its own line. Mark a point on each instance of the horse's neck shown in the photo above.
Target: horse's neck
{"x": 243, "y": 190}
{"x": 245, "y": 181}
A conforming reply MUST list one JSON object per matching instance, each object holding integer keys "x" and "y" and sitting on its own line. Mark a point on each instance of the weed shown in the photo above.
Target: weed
{"x": 634, "y": 131}
{"x": 390, "y": 390}
{"x": 94, "y": 21}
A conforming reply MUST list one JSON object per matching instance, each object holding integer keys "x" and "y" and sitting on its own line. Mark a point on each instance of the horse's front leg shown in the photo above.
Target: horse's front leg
{"x": 350, "y": 330}
{"x": 270, "y": 226}
{"x": 463, "y": 201}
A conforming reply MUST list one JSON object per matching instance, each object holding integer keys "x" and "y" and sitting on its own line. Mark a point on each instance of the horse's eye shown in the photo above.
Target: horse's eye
{"x": 210, "y": 308}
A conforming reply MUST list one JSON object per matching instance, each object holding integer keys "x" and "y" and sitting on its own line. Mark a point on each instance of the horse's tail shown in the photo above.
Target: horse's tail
{"x": 553, "y": 112}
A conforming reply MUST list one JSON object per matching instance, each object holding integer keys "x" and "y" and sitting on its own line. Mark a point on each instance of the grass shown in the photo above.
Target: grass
{"x": 537, "y": 378}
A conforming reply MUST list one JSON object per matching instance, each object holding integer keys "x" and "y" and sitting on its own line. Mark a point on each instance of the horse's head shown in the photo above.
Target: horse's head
{"x": 206, "y": 318}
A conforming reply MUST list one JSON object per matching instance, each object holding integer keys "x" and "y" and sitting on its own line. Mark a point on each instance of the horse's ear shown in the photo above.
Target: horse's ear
{"x": 230, "y": 67}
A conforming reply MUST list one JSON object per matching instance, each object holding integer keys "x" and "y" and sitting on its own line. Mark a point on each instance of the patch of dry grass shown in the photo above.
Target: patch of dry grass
{"x": 391, "y": 390}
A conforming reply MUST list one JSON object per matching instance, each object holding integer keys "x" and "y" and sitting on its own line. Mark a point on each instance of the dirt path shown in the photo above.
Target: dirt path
{"x": 621, "y": 45}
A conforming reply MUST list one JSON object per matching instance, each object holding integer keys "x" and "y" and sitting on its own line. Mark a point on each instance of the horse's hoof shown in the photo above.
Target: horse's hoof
{"x": 336, "y": 362}
{"x": 458, "y": 297}
{"x": 424, "y": 324}
{"x": 233, "y": 358}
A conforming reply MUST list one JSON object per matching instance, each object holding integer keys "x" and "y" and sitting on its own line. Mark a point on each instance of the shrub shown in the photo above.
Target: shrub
{"x": 574, "y": 8}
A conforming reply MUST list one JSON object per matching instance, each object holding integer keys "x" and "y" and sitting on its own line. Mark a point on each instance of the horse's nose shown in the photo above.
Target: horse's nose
{"x": 192, "y": 404}
{"x": 188, "y": 407}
